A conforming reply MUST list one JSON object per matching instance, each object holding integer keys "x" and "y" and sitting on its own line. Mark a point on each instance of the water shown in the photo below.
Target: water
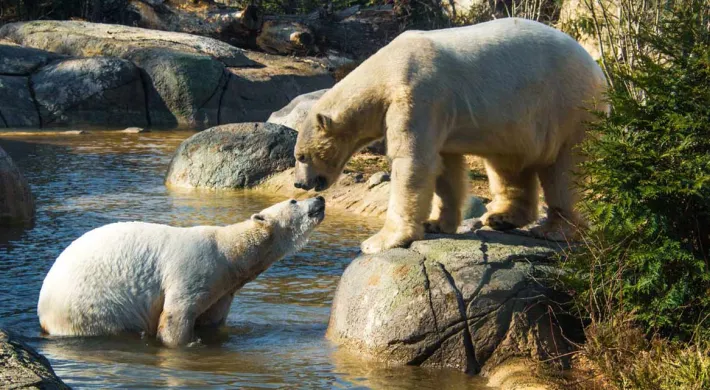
{"x": 274, "y": 335}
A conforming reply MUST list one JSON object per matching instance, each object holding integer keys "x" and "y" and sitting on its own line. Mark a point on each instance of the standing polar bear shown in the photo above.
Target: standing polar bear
{"x": 512, "y": 91}
{"x": 163, "y": 280}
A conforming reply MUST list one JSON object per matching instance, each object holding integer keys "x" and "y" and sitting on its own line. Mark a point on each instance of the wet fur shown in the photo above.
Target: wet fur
{"x": 163, "y": 280}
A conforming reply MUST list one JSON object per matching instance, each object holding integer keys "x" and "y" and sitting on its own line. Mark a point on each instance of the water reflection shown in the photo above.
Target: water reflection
{"x": 274, "y": 332}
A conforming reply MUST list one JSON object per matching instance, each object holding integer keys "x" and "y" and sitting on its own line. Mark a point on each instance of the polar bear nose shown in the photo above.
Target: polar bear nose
{"x": 320, "y": 199}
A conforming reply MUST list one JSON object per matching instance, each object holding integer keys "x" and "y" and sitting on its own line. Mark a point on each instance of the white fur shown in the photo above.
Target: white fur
{"x": 512, "y": 91}
{"x": 138, "y": 277}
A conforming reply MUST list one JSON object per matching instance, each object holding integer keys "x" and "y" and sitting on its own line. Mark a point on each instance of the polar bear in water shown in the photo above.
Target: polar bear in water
{"x": 163, "y": 280}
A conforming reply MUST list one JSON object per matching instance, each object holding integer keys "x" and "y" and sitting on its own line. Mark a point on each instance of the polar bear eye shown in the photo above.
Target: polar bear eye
{"x": 301, "y": 158}
{"x": 293, "y": 201}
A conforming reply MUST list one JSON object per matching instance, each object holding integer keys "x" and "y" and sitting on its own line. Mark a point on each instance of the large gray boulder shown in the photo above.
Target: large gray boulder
{"x": 467, "y": 302}
{"x": 21, "y": 367}
{"x": 17, "y": 108}
{"x": 232, "y": 156}
{"x": 176, "y": 79}
{"x": 89, "y": 39}
{"x": 17, "y": 205}
{"x": 253, "y": 94}
{"x": 295, "y": 112}
{"x": 21, "y": 61}
{"x": 90, "y": 90}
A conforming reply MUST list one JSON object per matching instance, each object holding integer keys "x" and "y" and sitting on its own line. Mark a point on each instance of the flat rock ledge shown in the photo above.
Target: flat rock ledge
{"x": 21, "y": 367}
{"x": 474, "y": 302}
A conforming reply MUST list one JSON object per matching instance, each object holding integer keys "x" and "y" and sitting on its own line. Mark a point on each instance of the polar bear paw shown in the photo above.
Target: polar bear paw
{"x": 386, "y": 239}
{"x": 504, "y": 220}
{"x": 440, "y": 227}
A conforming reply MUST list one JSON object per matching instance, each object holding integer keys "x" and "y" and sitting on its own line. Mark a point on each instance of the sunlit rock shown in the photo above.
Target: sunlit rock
{"x": 21, "y": 367}
{"x": 468, "y": 302}
{"x": 232, "y": 156}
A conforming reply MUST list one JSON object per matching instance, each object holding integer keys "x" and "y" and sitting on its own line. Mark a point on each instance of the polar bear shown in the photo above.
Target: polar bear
{"x": 512, "y": 91}
{"x": 163, "y": 280}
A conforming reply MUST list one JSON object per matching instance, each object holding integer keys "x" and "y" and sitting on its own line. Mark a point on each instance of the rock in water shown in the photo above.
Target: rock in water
{"x": 17, "y": 205}
{"x": 232, "y": 156}
{"x": 21, "y": 367}
{"x": 467, "y": 302}
{"x": 134, "y": 130}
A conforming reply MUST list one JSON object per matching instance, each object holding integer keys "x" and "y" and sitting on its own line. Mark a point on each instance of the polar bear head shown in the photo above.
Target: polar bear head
{"x": 291, "y": 222}
{"x": 320, "y": 153}
{"x": 325, "y": 143}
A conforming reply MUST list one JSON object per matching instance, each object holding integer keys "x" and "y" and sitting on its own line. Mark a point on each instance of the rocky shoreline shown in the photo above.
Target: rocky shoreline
{"x": 21, "y": 367}
{"x": 68, "y": 73}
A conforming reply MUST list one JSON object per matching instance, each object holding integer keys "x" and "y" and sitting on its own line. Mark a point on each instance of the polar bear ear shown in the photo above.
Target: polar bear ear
{"x": 324, "y": 121}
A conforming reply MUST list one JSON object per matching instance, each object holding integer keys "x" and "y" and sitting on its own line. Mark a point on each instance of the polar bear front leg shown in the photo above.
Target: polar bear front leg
{"x": 449, "y": 196}
{"x": 216, "y": 315}
{"x": 177, "y": 323}
{"x": 515, "y": 195}
{"x": 409, "y": 205}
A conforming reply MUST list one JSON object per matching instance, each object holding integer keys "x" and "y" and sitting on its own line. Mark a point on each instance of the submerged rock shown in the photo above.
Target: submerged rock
{"x": 17, "y": 205}
{"x": 469, "y": 302}
{"x": 232, "y": 156}
{"x": 134, "y": 130}
{"x": 21, "y": 367}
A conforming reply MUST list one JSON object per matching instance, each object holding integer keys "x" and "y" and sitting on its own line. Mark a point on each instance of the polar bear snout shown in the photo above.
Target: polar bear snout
{"x": 316, "y": 208}
{"x": 306, "y": 179}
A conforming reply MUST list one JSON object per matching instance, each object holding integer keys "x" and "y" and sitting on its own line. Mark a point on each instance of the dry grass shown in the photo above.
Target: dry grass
{"x": 618, "y": 355}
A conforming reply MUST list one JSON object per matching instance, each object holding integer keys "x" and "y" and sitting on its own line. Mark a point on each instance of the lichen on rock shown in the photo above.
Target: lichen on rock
{"x": 451, "y": 301}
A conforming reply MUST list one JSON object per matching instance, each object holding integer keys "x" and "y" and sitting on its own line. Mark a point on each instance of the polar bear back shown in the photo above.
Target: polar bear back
{"x": 113, "y": 278}
{"x": 510, "y": 86}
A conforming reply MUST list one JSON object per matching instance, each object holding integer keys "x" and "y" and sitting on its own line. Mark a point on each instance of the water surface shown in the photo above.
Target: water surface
{"x": 274, "y": 336}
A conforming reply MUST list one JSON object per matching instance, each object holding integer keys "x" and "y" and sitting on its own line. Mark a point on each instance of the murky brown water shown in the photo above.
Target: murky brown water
{"x": 274, "y": 333}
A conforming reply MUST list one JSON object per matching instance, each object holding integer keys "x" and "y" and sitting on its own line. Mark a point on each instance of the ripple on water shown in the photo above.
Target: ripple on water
{"x": 274, "y": 332}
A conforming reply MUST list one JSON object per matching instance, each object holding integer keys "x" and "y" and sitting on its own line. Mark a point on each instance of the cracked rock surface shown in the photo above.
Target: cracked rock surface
{"x": 21, "y": 367}
{"x": 232, "y": 156}
{"x": 466, "y": 301}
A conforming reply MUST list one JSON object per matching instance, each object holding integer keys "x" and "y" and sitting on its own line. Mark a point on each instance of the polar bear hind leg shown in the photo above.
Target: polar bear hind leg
{"x": 450, "y": 194}
{"x": 515, "y": 193}
{"x": 562, "y": 221}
